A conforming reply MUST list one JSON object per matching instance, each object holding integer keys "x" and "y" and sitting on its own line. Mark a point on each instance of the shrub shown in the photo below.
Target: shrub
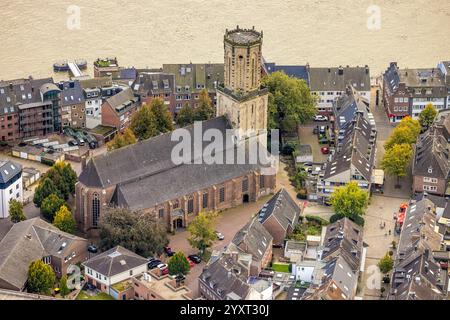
{"x": 317, "y": 219}
{"x": 302, "y": 194}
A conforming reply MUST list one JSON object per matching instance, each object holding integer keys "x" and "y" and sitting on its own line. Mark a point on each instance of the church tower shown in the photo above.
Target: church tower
{"x": 241, "y": 98}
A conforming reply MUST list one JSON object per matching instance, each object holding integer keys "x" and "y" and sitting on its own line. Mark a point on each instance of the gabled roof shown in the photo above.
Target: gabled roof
{"x": 432, "y": 154}
{"x": 337, "y": 79}
{"x": 344, "y": 238}
{"x": 416, "y": 275}
{"x": 283, "y": 208}
{"x": 118, "y": 101}
{"x": 227, "y": 277}
{"x": 71, "y": 93}
{"x": 299, "y": 72}
{"x": 356, "y": 146}
{"x": 8, "y": 170}
{"x": 115, "y": 261}
{"x": 28, "y": 241}
{"x": 346, "y": 107}
{"x": 253, "y": 239}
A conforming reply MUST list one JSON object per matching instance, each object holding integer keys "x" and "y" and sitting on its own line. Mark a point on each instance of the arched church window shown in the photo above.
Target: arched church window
{"x": 95, "y": 209}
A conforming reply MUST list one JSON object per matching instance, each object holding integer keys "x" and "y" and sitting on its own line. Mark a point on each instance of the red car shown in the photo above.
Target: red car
{"x": 325, "y": 150}
{"x": 191, "y": 263}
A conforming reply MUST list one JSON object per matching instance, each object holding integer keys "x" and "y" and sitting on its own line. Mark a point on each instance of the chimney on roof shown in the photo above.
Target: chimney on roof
{"x": 341, "y": 71}
{"x": 28, "y": 236}
{"x": 10, "y": 86}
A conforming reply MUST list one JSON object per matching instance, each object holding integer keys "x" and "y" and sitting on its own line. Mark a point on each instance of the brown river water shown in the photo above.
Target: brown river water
{"x": 146, "y": 33}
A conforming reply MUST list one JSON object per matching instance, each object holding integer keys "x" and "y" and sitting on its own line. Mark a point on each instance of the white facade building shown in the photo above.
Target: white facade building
{"x": 10, "y": 185}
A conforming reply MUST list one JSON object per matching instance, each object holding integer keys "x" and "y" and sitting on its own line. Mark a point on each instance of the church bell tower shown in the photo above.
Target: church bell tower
{"x": 241, "y": 98}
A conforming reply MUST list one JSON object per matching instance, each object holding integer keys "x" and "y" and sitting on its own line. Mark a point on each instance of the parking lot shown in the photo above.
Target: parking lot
{"x": 307, "y": 136}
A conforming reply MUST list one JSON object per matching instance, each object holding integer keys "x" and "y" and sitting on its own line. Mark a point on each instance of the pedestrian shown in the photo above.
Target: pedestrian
{"x": 389, "y": 231}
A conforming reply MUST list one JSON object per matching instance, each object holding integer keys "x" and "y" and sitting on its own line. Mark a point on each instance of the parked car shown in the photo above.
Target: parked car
{"x": 72, "y": 143}
{"x": 195, "y": 258}
{"x": 92, "y": 249}
{"x": 325, "y": 150}
{"x": 220, "y": 236}
{"x": 153, "y": 264}
{"x": 162, "y": 266}
{"x": 322, "y": 129}
{"x": 168, "y": 251}
{"x": 320, "y": 117}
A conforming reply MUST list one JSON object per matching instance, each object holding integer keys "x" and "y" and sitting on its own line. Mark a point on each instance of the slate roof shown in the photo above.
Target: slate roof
{"x": 391, "y": 78}
{"x": 341, "y": 273}
{"x": 346, "y": 106}
{"x": 119, "y": 101}
{"x": 356, "y": 146}
{"x": 344, "y": 238}
{"x": 23, "y": 92}
{"x": 416, "y": 275}
{"x": 433, "y": 151}
{"x": 9, "y": 170}
{"x": 115, "y": 261}
{"x": 145, "y": 174}
{"x": 150, "y": 83}
{"x": 192, "y": 74}
{"x": 71, "y": 93}
{"x": 253, "y": 239}
{"x": 28, "y": 241}
{"x": 227, "y": 277}
{"x": 337, "y": 79}
{"x": 299, "y": 72}
{"x": 283, "y": 208}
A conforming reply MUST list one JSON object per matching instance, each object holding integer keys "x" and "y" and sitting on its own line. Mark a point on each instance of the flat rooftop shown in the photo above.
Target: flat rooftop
{"x": 163, "y": 287}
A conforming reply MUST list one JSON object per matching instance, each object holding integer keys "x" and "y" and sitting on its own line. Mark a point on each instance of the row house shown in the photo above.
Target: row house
{"x": 118, "y": 110}
{"x": 431, "y": 164}
{"x": 107, "y": 67}
{"x": 354, "y": 158}
{"x": 343, "y": 254}
{"x": 179, "y": 84}
{"x": 153, "y": 84}
{"x": 406, "y": 92}
{"x": 327, "y": 84}
{"x": 418, "y": 273}
{"x": 73, "y": 104}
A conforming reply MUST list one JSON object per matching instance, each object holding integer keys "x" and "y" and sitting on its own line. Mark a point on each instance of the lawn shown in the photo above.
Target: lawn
{"x": 101, "y": 296}
{"x": 280, "y": 267}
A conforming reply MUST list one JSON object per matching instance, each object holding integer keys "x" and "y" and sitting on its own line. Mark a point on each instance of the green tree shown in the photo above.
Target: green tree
{"x": 427, "y": 116}
{"x": 164, "y": 120}
{"x": 64, "y": 289}
{"x": 46, "y": 187}
{"x": 185, "y": 116}
{"x": 64, "y": 220}
{"x": 201, "y": 231}
{"x": 290, "y": 102}
{"x": 205, "y": 110}
{"x": 139, "y": 232}
{"x": 69, "y": 175}
{"x": 50, "y": 206}
{"x": 299, "y": 176}
{"x": 143, "y": 123}
{"x": 396, "y": 160}
{"x": 16, "y": 211}
{"x": 122, "y": 139}
{"x": 41, "y": 277}
{"x": 349, "y": 200}
{"x": 386, "y": 264}
{"x": 178, "y": 264}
